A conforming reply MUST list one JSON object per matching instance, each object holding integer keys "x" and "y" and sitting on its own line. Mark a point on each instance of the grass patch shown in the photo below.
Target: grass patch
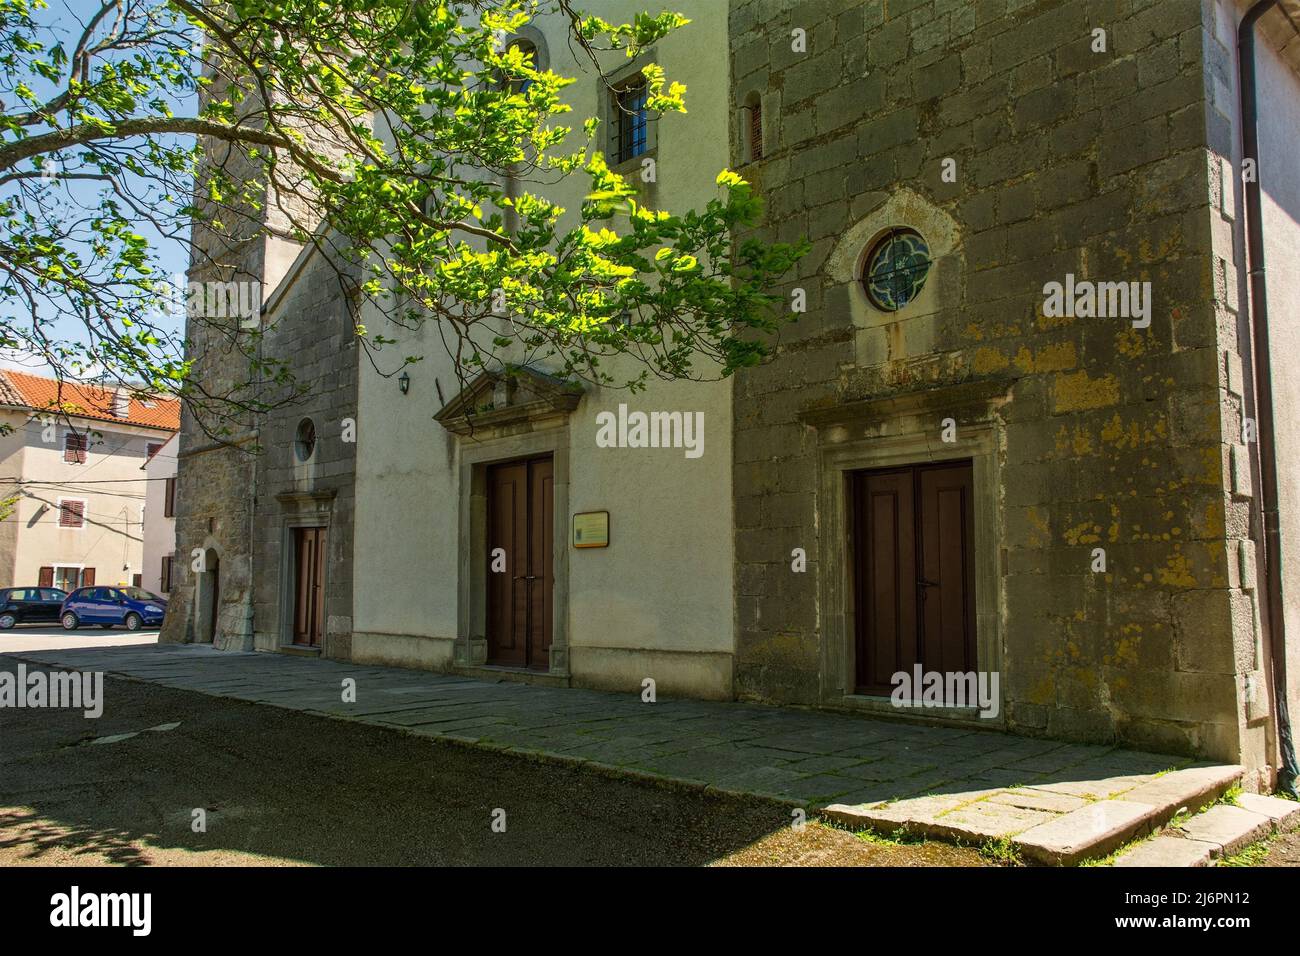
{"x": 1253, "y": 855}
{"x": 1002, "y": 851}
{"x": 896, "y": 838}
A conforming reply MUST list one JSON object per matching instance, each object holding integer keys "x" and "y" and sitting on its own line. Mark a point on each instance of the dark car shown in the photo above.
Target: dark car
{"x": 108, "y": 606}
{"x": 29, "y": 605}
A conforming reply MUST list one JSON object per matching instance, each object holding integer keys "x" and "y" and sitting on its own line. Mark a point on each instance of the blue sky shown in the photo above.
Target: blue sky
{"x": 63, "y": 19}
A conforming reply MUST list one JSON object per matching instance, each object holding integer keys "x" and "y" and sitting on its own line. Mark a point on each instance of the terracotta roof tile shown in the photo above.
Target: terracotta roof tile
{"x": 85, "y": 401}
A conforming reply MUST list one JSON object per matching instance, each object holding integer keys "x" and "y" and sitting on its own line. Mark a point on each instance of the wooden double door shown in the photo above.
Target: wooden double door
{"x": 521, "y": 563}
{"x": 309, "y": 585}
{"x": 914, "y": 532}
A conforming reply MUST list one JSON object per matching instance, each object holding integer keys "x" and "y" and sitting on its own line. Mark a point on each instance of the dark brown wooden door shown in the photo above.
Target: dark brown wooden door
{"x": 914, "y": 531}
{"x": 520, "y": 575}
{"x": 309, "y": 590}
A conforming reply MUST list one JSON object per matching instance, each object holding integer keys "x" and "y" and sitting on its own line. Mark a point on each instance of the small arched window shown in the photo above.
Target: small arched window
{"x": 753, "y": 127}
{"x": 520, "y": 84}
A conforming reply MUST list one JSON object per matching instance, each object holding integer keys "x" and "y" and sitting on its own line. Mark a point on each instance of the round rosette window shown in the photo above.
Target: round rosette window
{"x": 305, "y": 440}
{"x": 896, "y": 269}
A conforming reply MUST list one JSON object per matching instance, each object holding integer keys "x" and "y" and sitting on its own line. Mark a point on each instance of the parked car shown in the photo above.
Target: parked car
{"x": 133, "y": 607}
{"x": 30, "y": 605}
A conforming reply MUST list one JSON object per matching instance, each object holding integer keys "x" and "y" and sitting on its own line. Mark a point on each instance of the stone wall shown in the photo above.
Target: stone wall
{"x": 309, "y": 324}
{"x": 1067, "y": 160}
{"x": 234, "y": 242}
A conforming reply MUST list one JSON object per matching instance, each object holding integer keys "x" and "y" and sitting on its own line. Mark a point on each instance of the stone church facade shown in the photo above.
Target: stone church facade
{"x": 943, "y": 472}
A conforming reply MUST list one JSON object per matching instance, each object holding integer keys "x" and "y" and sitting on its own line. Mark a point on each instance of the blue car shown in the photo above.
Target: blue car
{"x": 133, "y": 607}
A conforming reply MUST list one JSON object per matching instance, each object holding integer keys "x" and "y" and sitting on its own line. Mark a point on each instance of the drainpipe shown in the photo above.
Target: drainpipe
{"x": 1267, "y": 454}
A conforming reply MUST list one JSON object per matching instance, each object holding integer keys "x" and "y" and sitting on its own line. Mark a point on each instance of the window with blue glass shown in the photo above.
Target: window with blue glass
{"x": 630, "y": 121}
{"x": 896, "y": 269}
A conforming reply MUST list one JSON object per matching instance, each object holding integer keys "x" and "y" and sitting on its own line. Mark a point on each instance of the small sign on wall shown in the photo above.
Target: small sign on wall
{"x": 591, "y": 529}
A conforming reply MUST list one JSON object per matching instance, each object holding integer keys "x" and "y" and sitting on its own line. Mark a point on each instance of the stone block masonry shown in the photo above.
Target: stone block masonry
{"x": 1063, "y": 157}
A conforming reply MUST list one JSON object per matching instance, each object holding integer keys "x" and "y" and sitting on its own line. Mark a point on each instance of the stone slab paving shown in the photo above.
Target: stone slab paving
{"x": 1058, "y": 802}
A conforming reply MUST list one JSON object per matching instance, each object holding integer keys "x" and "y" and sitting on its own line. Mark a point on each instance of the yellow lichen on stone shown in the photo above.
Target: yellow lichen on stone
{"x": 1116, "y": 433}
{"x": 1053, "y": 322}
{"x": 1050, "y": 358}
{"x": 1086, "y": 533}
{"x": 1130, "y": 342}
{"x": 1042, "y": 533}
{"x": 1177, "y": 572}
{"x": 1077, "y": 391}
{"x": 989, "y": 360}
{"x": 1043, "y": 692}
{"x": 1126, "y": 648}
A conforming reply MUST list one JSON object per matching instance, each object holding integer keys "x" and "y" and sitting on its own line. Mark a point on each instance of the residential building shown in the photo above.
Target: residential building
{"x": 71, "y": 457}
{"x": 1011, "y": 429}
{"x": 159, "y": 538}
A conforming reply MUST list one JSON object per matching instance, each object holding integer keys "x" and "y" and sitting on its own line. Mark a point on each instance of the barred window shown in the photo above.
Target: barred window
{"x": 631, "y": 120}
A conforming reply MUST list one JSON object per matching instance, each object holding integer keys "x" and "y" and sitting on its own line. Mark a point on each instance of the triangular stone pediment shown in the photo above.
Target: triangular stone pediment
{"x": 509, "y": 397}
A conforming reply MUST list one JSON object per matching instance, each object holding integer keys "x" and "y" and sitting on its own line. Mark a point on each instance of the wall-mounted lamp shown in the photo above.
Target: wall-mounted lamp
{"x": 404, "y": 382}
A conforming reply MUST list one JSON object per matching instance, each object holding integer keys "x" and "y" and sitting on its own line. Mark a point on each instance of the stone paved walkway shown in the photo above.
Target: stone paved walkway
{"x": 955, "y": 782}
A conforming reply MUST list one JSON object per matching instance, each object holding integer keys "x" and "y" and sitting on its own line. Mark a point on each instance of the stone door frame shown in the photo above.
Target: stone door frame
{"x": 311, "y": 509}
{"x": 471, "y": 619}
{"x": 890, "y": 432}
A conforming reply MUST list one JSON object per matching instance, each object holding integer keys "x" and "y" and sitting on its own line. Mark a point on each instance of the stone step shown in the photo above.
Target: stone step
{"x": 1285, "y": 814}
{"x": 1166, "y": 850}
{"x": 1101, "y": 827}
{"x": 1226, "y": 829}
{"x": 1048, "y": 823}
{"x": 1090, "y": 831}
{"x": 1219, "y": 831}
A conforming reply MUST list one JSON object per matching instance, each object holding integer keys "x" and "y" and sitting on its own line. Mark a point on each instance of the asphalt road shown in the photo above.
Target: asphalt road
{"x": 279, "y": 787}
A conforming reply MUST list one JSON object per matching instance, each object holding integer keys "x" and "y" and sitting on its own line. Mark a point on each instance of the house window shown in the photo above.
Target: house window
{"x": 631, "y": 121}
{"x": 896, "y": 269}
{"x": 165, "y": 578}
{"x": 74, "y": 448}
{"x": 756, "y": 130}
{"x": 520, "y": 84}
{"x": 169, "y": 498}
{"x": 69, "y": 577}
{"x": 72, "y": 513}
